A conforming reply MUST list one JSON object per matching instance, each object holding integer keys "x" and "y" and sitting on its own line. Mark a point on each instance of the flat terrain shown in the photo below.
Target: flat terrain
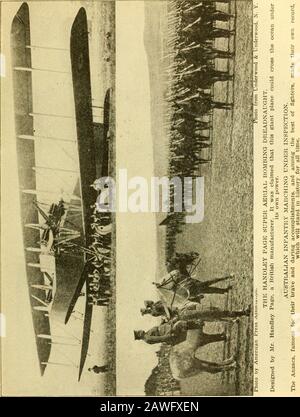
{"x": 106, "y": 57}
{"x": 224, "y": 239}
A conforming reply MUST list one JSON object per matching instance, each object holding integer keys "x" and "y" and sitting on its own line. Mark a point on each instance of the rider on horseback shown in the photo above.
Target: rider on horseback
{"x": 180, "y": 278}
{"x": 174, "y": 332}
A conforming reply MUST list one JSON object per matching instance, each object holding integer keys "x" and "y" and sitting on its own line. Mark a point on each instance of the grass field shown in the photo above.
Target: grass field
{"x": 225, "y": 238}
{"x": 108, "y": 13}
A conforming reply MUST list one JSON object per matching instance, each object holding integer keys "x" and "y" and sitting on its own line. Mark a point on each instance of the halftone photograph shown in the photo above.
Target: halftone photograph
{"x": 150, "y": 200}
{"x": 59, "y": 138}
{"x": 189, "y": 323}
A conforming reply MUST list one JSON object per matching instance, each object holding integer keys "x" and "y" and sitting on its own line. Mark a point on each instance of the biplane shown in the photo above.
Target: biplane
{"x": 57, "y": 224}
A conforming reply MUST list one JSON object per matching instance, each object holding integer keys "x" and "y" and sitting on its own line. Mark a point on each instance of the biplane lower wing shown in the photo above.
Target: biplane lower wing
{"x": 80, "y": 64}
{"x": 85, "y": 335}
{"x": 76, "y": 294}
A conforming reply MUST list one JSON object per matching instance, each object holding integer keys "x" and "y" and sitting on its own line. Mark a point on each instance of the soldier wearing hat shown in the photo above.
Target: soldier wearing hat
{"x": 99, "y": 369}
{"x": 167, "y": 332}
{"x": 174, "y": 333}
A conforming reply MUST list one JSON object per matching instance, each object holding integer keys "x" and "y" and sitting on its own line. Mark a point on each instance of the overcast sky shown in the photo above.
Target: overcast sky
{"x": 136, "y": 233}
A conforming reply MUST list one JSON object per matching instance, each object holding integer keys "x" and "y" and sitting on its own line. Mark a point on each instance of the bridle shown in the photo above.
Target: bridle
{"x": 177, "y": 283}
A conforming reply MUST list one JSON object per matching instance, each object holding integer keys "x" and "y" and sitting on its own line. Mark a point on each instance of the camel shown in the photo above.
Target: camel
{"x": 183, "y": 361}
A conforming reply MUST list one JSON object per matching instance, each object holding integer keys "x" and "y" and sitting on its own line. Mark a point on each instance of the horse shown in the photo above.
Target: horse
{"x": 191, "y": 289}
